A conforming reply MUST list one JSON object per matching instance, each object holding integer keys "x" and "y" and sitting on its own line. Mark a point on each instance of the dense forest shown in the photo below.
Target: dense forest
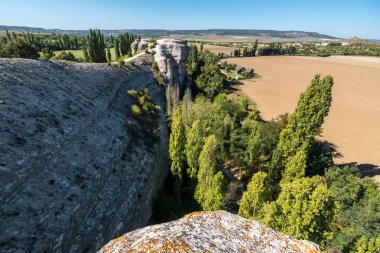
{"x": 224, "y": 156}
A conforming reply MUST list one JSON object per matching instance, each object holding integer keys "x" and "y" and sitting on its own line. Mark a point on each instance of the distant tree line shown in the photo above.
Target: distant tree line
{"x": 96, "y": 47}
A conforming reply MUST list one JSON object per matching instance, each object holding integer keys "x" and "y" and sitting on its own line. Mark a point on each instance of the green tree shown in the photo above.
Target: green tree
{"x": 211, "y": 187}
{"x": 194, "y": 145}
{"x": 19, "y": 48}
{"x": 177, "y": 143}
{"x": 254, "y": 48}
{"x": 85, "y": 53}
{"x": 358, "y": 219}
{"x": 117, "y": 50}
{"x": 215, "y": 194}
{"x": 296, "y": 166}
{"x": 211, "y": 81}
{"x": 96, "y": 46}
{"x": 261, "y": 142}
{"x": 66, "y": 56}
{"x": 192, "y": 62}
{"x": 365, "y": 245}
{"x": 46, "y": 53}
{"x": 254, "y": 197}
{"x": 306, "y": 208}
{"x": 109, "y": 57}
{"x": 8, "y": 35}
{"x": 304, "y": 124}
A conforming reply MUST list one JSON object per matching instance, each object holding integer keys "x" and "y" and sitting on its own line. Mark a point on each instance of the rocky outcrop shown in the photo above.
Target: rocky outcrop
{"x": 138, "y": 45}
{"x": 171, "y": 56}
{"x": 77, "y": 168}
{"x": 208, "y": 232}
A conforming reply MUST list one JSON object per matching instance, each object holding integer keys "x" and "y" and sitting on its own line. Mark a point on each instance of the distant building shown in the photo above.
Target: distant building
{"x": 239, "y": 69}
{"x": 250, "y": 71}
{"x": 220, "y": 62}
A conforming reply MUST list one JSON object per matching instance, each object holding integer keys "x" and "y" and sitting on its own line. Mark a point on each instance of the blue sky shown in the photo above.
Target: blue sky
{"x": 342, "y": 18}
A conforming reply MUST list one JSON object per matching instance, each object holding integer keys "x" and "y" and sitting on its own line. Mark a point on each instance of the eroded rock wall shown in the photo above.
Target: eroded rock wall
{"x": 171, "y": 56}
{"x": 76, "y": 167}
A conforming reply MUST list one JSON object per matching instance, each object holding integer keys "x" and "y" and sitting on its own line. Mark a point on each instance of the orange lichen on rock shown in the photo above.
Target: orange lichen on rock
{"x": 208, "y": 232}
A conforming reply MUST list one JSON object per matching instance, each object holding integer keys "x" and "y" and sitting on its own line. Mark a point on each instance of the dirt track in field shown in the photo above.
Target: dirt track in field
{"x": 217, "y": 49}
{"x": 353, "y": 124}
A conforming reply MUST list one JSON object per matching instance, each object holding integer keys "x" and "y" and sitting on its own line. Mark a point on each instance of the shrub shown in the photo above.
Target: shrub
{"x": 47, "y": 53}
{"x": 133, "y": 93}
{"x": 135, "y": 110}
{"x": 19, "y": 49}
{"x": 66, "y": 56}
{"x": 157, "y": 73}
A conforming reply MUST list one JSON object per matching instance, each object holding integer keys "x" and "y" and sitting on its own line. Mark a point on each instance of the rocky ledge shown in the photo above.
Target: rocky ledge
{"x": 208, "y": 232}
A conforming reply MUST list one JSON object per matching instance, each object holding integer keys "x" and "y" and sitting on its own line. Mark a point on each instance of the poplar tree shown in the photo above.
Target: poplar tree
{"x": 303, "y": 125}
{"x": 194, "y": 144}
{"x": 211, "y": 185}
{"x": 254, "y": 197}
{"x": 296, "y": 166}
{"x": 177, "y": 143}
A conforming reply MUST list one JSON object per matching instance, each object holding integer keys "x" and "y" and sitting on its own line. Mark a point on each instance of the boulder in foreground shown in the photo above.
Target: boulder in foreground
{"x": 208, "y": 232}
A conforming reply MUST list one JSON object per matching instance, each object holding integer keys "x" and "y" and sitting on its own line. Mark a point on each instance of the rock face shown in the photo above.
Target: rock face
{"x": 76, "y": 167}
{"x": 208, "y": 232}
{"x": 171, "y": 56}
{"x": 137, "y": 45}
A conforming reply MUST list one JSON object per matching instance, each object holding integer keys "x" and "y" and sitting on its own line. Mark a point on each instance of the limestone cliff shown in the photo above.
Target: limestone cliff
{"x": 138, "y": 45}
{"x": 171, "y": 56}
{"x": 208, "y": 232}
{"x": 76, "y": 167}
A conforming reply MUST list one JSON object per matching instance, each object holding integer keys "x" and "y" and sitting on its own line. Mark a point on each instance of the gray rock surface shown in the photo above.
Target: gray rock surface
{"x": 220, "y": 232}
{"x": 76, "y": 167}
{"x": 171, "y": 56}
{"x": 137, "y": 45}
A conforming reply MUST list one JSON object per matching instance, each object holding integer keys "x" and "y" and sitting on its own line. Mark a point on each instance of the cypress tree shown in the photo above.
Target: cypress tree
{"x": 8, "y": 36}
{"x": 96, "y": 46}
{"x": 117, "y": 50}
{"x": 85, "y": 53}
{"x": 109, "y": 57}
{"x": 254, "y": 48}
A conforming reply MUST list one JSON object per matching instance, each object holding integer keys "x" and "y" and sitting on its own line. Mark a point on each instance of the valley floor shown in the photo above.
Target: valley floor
{"x": 353, "y": 124}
